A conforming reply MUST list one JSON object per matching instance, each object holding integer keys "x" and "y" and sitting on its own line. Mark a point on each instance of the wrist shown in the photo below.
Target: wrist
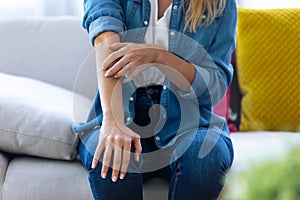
{"x": 160, "y": 58}
{"x": 109, "y": 116}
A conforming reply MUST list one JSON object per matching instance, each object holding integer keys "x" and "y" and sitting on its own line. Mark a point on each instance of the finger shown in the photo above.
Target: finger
{"x": 117, "y": 67}
{"x": 106, "y": 161}
{"x": 97, "y": 154}
{"x": 127, "y": 68}
{"x": 111, "y": 58}
{"x": 125, "y": 159}
{"x": 116, "y": 161}
{"x": 112, "y": 64}
{"x": 116, "y": 46}
{"x": 138, "y": 148}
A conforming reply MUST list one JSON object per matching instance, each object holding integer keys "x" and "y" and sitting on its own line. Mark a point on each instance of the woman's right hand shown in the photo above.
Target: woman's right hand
{"x": 116, "y": 140}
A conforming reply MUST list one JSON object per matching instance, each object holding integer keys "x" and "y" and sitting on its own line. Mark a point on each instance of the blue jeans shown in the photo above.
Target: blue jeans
{"x": 190, "y": 177}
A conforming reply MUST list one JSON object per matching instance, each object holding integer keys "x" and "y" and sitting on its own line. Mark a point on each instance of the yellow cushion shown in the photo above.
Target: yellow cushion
{"x": 268, "y": 63}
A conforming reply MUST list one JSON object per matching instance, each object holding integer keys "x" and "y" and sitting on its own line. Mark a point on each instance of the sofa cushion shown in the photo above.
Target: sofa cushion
{"x": 222, "y": 107}
{"x": 51, "y": 179}
{"x": 51, "y": 49}
{"x": 36, "y": 118}
{"x": 268, "y": 69}
{"x": 35, "y": 178}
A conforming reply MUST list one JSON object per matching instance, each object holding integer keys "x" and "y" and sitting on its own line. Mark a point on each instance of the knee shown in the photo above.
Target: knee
{"x": 206, "y": 176}
{"x": 197, "y": 179}
{"x": 214, "y": 151}
{"x": 201, "y": 173}
{"x": 128, "y": 188}
{"x": 212, "y": 167}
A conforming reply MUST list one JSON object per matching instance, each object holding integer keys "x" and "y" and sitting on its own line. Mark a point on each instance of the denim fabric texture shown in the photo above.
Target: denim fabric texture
{"x": 195, "y": 145}
{"x": 208, "y": 49}
{"x": 190, "y": 176}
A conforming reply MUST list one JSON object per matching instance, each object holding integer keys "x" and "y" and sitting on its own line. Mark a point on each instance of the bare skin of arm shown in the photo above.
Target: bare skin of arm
{"x": 135, "y": 58}
{"x": 114, "y": 60}
{"x": 115, "y": 138}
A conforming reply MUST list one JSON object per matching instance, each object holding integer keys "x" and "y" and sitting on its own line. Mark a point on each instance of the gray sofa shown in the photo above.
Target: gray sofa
{"x": 52, "y": 50}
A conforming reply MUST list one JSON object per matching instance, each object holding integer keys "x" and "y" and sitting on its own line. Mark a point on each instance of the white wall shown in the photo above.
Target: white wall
{"x": 18, "y": 8}
{"x": 269, "y": 3}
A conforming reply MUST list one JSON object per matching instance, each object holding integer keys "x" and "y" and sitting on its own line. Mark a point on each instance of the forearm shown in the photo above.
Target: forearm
{"x": 108, "y": 86}
{"x": 179, "y": 71}
{"x": 134, "y": 56}
{"x": 115, "y": 140}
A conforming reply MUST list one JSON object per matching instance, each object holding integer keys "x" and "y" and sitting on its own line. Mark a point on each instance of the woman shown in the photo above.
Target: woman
{"x": 157, "y": 83}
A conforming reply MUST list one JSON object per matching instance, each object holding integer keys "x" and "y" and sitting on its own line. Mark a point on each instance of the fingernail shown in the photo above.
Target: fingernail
{"x": 116, "y": 76}
{"x": 106, "y": 74}
{"x": 138, "y": 158}
{"x": 122, "y": 176}
{"x": 103, "y": 175}
{"x": 114, "y": 178}
{"x": 93, "y": 166}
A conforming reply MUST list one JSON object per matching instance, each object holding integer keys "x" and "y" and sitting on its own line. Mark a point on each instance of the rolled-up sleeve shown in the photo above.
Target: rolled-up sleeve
{"x": 101, "y": 16}
{"x": 214, "y": 73}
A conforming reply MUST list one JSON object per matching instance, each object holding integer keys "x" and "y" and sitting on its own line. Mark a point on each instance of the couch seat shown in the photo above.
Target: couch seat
{"x": 36, "y": 178}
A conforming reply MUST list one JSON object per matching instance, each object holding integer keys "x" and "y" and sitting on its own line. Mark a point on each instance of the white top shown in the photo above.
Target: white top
{"x": 157, "y": 33}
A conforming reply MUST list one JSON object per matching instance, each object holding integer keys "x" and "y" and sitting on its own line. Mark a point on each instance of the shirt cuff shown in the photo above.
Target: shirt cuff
{"x": 105, "y": 23}
{"x": 199, "y": 85}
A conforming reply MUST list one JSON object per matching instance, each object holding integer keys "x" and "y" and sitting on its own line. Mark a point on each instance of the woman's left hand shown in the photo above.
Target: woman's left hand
{"x": 130, "y": 57}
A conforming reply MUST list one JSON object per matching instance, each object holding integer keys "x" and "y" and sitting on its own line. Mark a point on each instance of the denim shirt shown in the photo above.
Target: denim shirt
{"x": 209, "y": 49}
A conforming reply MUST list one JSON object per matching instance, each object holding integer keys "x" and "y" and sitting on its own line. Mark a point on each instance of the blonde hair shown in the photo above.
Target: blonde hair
{"x": 197, "y": 8}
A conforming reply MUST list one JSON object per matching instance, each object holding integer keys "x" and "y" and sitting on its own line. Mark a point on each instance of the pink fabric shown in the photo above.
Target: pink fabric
{"x": 232, "y": 128}
{"x": 222, "y": 109}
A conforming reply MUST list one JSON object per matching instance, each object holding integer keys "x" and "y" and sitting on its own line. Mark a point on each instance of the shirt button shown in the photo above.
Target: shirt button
{"x": 146, "y": 23}
{"x": 172, "y": 33}
{"x": 175, "y": 7}
{"x": 164, "y": 87}
{"x": 131, "y": 99}
{"x": 157, "y": 138}
{"x": 128, "y": 119}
